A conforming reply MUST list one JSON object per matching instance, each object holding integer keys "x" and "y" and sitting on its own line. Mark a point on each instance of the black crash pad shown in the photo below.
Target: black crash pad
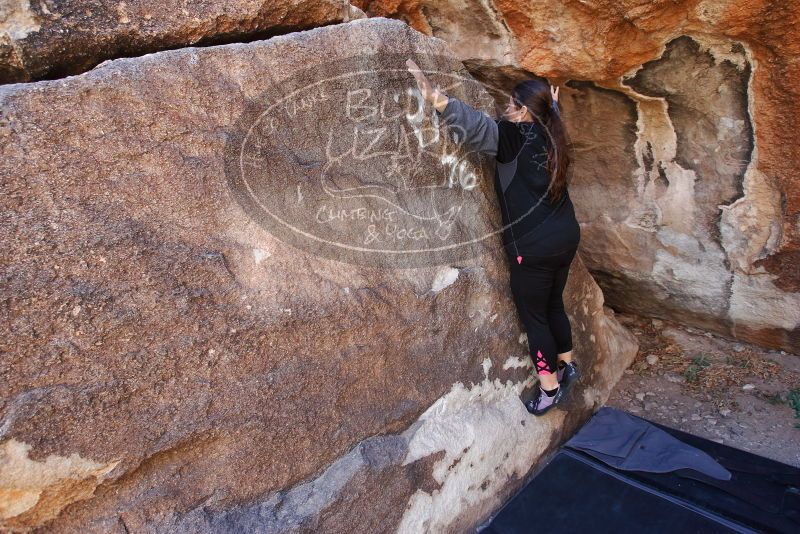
{"x": 578, "y": 492}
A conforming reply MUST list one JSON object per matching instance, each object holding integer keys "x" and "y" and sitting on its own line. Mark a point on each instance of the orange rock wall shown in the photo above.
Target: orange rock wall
{"x": 755, "y": 247}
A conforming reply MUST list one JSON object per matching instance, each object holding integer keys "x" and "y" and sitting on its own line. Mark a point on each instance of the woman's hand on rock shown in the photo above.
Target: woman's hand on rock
{"x": 429, "y": 93}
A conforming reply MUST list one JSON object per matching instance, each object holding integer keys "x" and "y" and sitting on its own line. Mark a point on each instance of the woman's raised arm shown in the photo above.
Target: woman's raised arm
{"x": 477, "y": 130}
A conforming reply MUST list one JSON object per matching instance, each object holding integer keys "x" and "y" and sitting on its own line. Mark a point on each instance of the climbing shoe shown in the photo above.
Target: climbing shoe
{"x": 541, "y": 402}
{"x": 567, "y": 374}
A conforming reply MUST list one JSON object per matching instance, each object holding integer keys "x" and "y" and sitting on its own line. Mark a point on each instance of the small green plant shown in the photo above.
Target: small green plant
{"x": 775, "y": 398}
{"x": 691, "y": 373}
{"x": 702, "y": 360}
{"x": 794, "y": 401}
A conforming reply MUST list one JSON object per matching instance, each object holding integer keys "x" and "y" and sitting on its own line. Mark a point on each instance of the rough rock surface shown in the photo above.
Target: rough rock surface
{"x": 169, "y": 365}
{"x": 686, "y": 181}
{"x": 48, "y": 39}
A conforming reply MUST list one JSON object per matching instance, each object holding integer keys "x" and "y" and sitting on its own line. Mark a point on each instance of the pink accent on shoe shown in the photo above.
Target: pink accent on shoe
{"x": 519, "y": 260}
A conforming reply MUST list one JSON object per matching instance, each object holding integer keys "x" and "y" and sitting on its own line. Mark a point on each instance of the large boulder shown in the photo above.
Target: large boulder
{"x": 175, "y": 362}
{"x": 45, "y": 40}
{"x": 685, "y": 183}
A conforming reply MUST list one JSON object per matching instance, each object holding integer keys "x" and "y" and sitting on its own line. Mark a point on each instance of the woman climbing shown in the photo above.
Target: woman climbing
{"x": 541, "y": 233}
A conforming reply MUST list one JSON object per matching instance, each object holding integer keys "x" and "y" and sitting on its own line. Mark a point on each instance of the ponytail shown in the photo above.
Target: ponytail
{"x": 557, "y": 156}
{"x": 535, "y": 94}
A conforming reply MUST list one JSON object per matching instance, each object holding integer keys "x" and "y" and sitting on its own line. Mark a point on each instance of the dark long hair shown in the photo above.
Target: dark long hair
{"x": 535, "y": 94}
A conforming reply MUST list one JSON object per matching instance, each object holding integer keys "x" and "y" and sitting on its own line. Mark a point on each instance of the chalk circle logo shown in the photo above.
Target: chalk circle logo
{"x": 348, "y": 162}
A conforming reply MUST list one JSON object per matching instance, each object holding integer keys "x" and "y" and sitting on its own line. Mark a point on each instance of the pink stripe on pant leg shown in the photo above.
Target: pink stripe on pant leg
{"x": 542, "y": 370}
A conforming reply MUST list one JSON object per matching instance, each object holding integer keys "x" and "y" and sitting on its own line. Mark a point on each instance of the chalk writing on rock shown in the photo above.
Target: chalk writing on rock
{"x": 348, "y": 162}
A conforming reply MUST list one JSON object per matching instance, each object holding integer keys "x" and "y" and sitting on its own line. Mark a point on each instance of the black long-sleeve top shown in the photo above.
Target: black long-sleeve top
{"x": 532, "y": 224}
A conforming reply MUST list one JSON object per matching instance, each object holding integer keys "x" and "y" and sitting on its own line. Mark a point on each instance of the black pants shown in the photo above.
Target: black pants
{"x": 537, "y": 286}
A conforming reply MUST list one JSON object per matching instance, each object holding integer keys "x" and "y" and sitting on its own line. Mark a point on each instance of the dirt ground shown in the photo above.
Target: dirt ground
{"x": 734, "y": 393}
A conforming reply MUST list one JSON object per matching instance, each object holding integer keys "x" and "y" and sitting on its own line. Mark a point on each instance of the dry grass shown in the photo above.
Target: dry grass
{"x": 712, "y": 372}
{"x": 670, "y": 355}
{"x": 729, "y": 370}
